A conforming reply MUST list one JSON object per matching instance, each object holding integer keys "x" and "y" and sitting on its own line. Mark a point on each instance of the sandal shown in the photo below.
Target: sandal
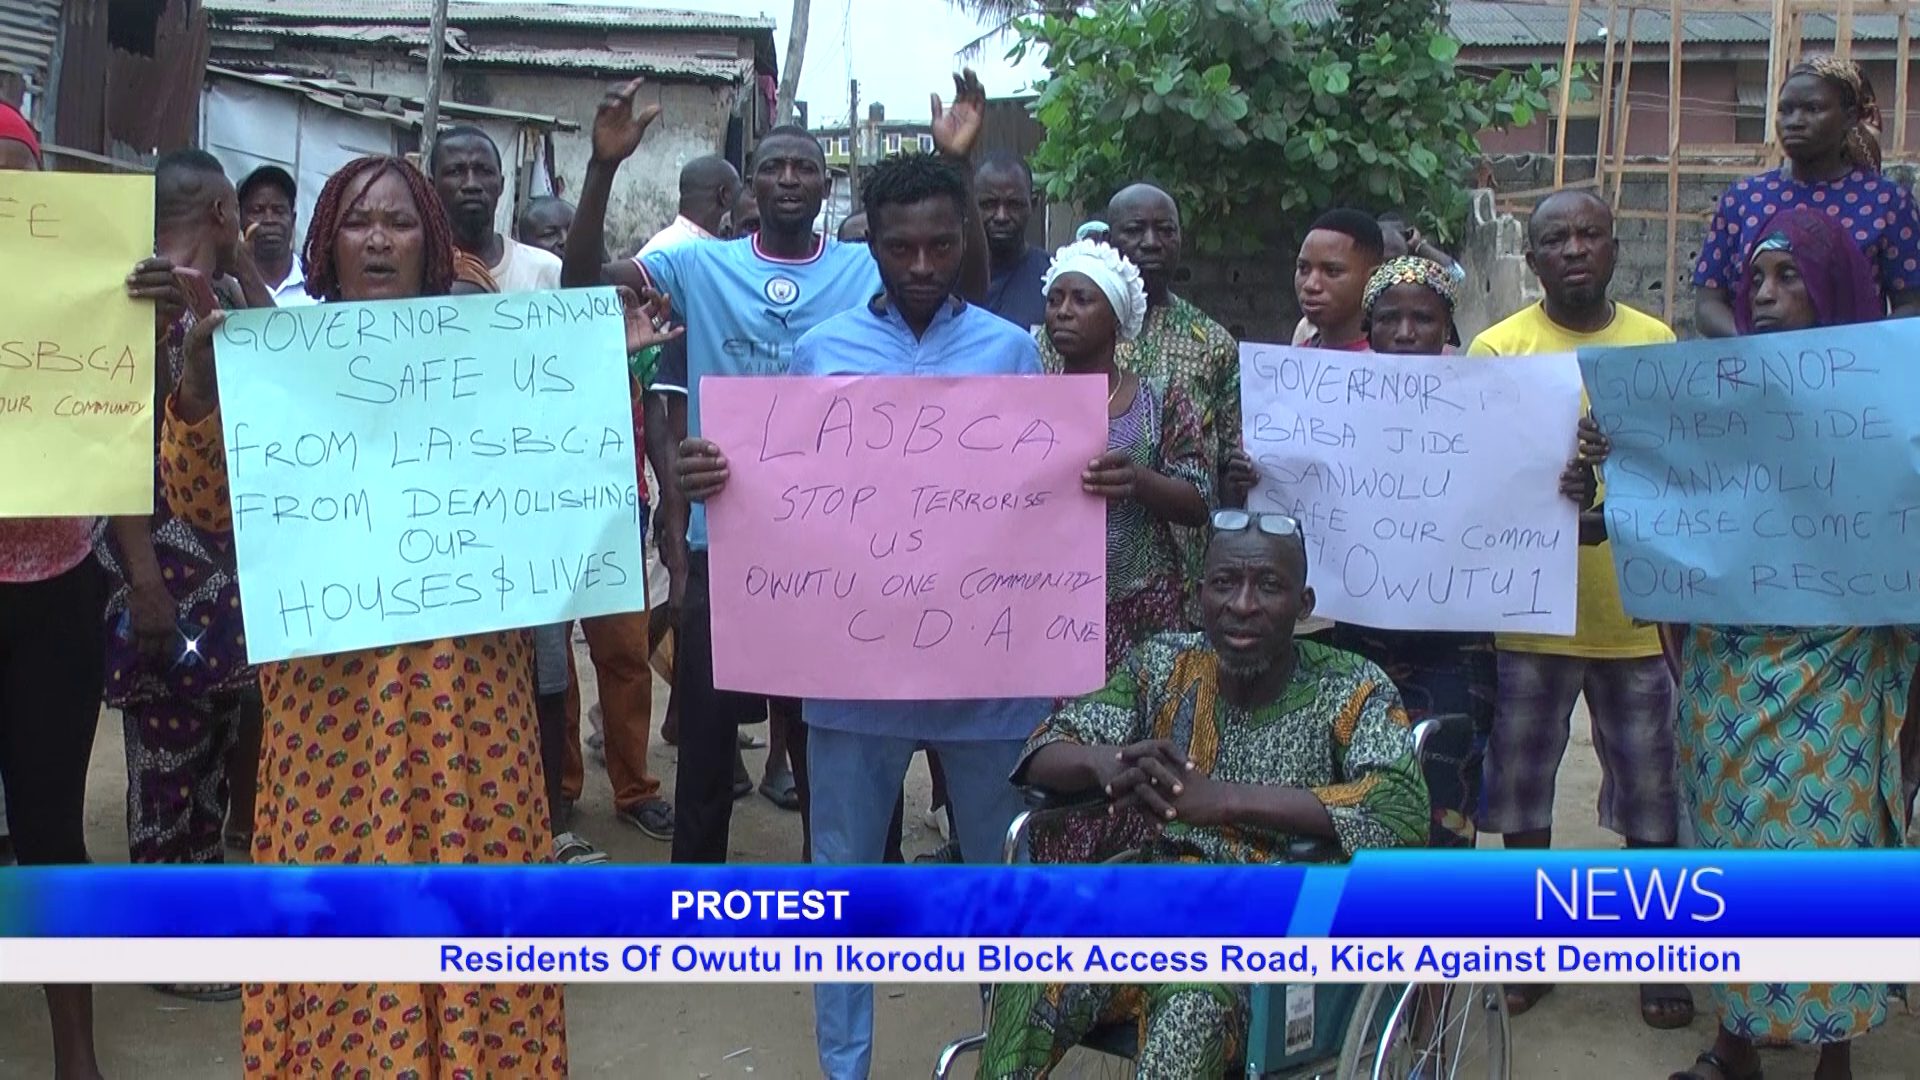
{"x": 202, "y": 992}
{"x": 781, "y": 791}
{"x": 1522, "y": 998}
{"x": 1719, "y": 1065}
{"x": 653, "y": 817}
{"x": 1666, "y": 1006}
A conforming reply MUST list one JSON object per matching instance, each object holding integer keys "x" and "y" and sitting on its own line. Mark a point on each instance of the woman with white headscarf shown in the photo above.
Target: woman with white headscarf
{"x": 1154, "y": 474}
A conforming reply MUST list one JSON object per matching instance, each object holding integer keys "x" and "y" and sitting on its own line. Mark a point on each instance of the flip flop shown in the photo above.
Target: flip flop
{"x": 208, "y": 993}
{"x": 1719, "y": 1065}
{"x": 781, "y": 791}
{"x": 1666, "y": 1006}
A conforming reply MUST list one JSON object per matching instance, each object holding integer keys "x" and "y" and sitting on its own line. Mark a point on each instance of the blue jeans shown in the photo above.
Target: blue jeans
{"x": 855, "y": 781}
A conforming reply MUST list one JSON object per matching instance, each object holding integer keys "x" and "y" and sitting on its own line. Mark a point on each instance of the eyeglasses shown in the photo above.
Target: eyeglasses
{"x": 1241, "y": 521}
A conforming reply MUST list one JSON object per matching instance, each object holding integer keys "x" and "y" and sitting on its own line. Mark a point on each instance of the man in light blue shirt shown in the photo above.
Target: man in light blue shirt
{"x": 746, "y": 303}
{"x": 858, "y": 750}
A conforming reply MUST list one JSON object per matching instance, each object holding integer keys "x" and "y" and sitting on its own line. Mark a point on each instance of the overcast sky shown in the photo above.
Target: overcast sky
{"x": 897, "y": 48}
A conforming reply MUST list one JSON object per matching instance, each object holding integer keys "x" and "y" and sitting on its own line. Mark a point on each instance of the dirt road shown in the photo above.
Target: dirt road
{"x": 766, "y": 1033}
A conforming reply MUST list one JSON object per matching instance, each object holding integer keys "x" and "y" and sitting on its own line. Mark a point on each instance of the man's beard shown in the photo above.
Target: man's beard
{"x": 1248, "y": 669}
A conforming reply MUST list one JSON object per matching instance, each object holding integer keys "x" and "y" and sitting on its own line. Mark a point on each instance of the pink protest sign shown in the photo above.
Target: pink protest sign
{"x": 907, "y": 538}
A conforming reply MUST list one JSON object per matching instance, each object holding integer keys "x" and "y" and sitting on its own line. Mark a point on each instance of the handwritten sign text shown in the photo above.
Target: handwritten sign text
{"x": 1771, "y": 479}
{"x": 76, "y": 353}
{"x": 415, "y": 469}
{"x": 1427, "y": 486}
{"x": 907, "y": 538}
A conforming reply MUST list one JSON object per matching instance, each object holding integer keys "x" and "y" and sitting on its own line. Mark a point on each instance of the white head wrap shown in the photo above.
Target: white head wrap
{"x": 1117, "y": 278}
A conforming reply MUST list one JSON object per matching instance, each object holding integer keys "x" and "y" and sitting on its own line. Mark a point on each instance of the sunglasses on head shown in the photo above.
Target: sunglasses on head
{"x": 1241, "y": 521}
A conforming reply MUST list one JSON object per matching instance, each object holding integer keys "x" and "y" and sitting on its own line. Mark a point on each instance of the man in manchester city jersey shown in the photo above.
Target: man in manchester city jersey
{"x": 745, "y": 304}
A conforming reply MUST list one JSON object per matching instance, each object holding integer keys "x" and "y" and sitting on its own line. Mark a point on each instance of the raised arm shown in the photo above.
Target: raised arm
{"x": 956, "y": 131}
{"x": 617, "y": 131}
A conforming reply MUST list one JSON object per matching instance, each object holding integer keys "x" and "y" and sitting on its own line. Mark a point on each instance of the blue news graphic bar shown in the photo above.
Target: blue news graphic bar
{"x": 1400, "y": 894}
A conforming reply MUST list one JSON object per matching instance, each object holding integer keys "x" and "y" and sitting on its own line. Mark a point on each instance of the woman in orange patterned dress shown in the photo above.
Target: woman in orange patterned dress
{"x": 421, "y": 753}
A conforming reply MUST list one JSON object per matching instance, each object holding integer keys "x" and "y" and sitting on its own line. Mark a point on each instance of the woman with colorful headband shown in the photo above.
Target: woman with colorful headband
{"x": 1829, "y": 128}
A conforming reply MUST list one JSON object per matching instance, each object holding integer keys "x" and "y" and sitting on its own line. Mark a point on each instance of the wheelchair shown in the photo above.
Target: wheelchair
{"x": 1319, "y": 1030}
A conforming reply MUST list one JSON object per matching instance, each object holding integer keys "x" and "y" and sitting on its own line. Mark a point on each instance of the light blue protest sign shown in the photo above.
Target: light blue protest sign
{"x": 1769, "y": 480}
{"x": 415, "y": 469}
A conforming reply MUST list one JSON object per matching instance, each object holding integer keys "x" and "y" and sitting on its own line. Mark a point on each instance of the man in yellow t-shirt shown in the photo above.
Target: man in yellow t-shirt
{"x": 1617, "y": 665}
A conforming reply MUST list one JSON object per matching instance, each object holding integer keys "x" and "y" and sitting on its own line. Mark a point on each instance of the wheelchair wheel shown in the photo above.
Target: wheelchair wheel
{"x": 1433, "y": 1032}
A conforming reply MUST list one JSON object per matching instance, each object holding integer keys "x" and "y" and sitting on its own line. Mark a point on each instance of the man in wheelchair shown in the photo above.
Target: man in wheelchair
{"x": 1227, "y": 746}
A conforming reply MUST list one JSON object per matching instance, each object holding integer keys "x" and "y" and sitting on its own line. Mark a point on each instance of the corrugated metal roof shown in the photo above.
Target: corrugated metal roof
{"x": 404, "y": 35}
{"x": 400, "y": 108}
{"x": 28, "y": 29}
{"x": 600, "y": 16}
{"x": 1494, "y": 24}
{"x": 612, "y": 62}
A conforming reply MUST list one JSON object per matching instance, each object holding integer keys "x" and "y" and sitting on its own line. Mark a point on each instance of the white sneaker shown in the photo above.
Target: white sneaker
{"x": 569, "y": 849}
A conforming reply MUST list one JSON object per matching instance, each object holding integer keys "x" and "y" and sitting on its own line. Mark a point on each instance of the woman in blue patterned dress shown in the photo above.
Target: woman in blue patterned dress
{"x": 1789, "y": 738}
{"x": 1828, "y": 127}
{"x": 1155, "y": 473}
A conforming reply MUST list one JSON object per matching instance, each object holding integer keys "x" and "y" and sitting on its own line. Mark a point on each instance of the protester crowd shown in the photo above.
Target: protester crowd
{"x": 1223, "y": 732}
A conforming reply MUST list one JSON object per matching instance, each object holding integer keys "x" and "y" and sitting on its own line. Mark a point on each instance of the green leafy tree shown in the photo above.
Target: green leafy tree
{"x": 1254, "y": 115}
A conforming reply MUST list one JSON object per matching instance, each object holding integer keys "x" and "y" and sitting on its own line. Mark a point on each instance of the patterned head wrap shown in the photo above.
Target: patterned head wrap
{"x": 1838, "y": 278}
{"x": 1409, "y": 270}
{"x": 1856, "y": 93}
{"x": 1110, "y": 270}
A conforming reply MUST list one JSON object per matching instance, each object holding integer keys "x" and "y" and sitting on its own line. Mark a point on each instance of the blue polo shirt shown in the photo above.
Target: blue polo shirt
{"x": 873, "y": 339}
{"x": 744, "y": 311}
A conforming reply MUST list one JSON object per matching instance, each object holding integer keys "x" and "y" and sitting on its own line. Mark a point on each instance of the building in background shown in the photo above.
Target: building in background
{"x": 536, "y": 69}
{"x": 109, "y": 83}
{"x": 877, "y": 138}
{"x": 1723, "y": 70}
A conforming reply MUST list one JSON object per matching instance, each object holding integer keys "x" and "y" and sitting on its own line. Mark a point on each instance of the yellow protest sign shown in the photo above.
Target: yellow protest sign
{"x": 76, "y": 354}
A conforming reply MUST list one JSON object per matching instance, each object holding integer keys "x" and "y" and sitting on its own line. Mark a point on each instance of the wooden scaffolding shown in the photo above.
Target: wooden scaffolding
{"x": 1787, "y": 20}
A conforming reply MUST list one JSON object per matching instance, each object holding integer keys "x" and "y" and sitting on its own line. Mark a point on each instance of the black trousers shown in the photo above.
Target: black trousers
{"x": 709, "y": 733}
{"x": 53, "y": 654}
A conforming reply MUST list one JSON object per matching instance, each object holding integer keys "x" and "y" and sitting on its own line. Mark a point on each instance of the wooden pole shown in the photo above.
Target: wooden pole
{"x": 1606, "y": 97}
{"x": 1776, "y": 69}
{"x": 1796, "y": 37}
{"x": 1673, "y": 155}
{"x": 1843, "y": 31}
{"x": 853, "y": 146}
{"x": 436, "y": 59}
{"x": 1626, "y": 115}
{"x": 1566, "y": 95}
{"x": 1902, "y": 69}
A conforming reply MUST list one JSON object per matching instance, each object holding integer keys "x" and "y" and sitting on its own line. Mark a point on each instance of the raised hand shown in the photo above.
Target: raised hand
{"x": 647, "y": 319}
{"x": 957, "y": 127}
{"x": 617, "y": 128}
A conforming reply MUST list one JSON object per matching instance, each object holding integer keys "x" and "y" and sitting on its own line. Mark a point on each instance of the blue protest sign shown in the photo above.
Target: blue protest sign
{"x": 415, "y": 469}
{"x": 1767, "y": 480}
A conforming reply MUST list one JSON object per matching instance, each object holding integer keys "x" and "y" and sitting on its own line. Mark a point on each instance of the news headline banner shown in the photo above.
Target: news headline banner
{"x": 907, "y": 538}
{"x": 1771, "y": 479}
{"x": 1573, "y": 895}
{"x": 1428, "y": 486}
{"x": 956, "y": 960}
{"x": 76, "y": 353}
{"x": 413, "y": 469}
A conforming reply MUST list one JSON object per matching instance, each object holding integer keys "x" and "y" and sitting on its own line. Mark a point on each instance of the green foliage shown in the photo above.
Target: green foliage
{"x": 1255, "y": 118}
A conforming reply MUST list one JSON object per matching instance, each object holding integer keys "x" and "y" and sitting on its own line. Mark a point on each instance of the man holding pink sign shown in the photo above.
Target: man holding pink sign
{"x": 890, "y": 552}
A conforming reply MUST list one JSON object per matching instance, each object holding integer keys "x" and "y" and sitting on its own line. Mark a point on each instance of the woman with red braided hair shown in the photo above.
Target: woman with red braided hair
{"x": 421, "y": 753}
